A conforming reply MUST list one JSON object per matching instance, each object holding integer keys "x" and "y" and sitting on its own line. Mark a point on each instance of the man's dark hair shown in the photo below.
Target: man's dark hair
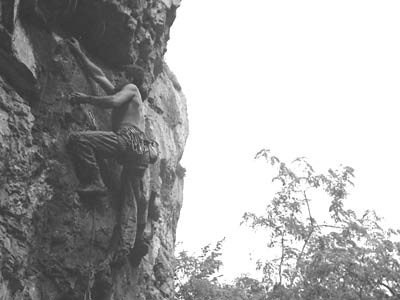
{"x": 135, "y": 74}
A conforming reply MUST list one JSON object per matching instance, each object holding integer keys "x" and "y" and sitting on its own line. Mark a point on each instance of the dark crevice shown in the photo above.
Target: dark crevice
{"x": 19, "y": 76}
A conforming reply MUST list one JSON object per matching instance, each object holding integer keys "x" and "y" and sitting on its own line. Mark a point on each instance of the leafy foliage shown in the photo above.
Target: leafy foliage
{"x": 342, "y": 255}
{"x": 347, "y": 257}
{"x": 196, "y": 278}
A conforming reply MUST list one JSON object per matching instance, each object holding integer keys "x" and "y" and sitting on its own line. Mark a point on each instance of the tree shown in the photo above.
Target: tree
{"x": 346, "y": 257}
{"x": 196, "y": 278}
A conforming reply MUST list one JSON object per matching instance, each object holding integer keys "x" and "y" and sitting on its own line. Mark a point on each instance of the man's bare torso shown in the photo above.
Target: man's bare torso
{"x": 128, "y": 114}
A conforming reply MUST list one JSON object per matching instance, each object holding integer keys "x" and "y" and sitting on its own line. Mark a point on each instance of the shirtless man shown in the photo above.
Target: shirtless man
{"x": 127, "y": 127}
{"x": 126, "y": 142}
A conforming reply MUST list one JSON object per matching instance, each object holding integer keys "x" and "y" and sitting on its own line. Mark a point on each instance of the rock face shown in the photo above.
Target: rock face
{"x": 52, "y": 243}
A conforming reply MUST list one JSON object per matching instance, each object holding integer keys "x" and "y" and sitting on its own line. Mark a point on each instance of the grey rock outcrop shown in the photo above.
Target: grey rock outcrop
{"x": 48, "y": 237}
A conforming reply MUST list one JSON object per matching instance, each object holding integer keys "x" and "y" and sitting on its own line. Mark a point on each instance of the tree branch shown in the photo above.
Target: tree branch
{"x": 305, "y": 241}
{"x": 282, "y": 258}
{"x": 389, "y": 288}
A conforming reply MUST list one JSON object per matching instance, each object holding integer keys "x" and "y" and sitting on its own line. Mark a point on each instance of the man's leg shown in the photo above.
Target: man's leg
{"x": 128, "y": 218}
{"x": 142, "y": 212}
{"x": 141, "y": 248}
{"x": 85, "y": 147}
{"x": 133, "y": 217}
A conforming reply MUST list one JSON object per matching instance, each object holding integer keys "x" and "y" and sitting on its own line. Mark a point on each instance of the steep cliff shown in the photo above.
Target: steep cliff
{"x": 51, "y": 242}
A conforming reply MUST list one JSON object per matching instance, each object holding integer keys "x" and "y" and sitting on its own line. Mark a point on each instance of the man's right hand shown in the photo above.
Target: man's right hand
{"x": 73, "y": 43}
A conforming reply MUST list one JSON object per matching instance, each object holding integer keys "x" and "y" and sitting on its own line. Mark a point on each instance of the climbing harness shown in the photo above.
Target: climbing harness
{"x": 88, "y": 292}
{"x": 92, "y": 120}
{"x": 135, "y": 137}
{"x": 139, "y": 143}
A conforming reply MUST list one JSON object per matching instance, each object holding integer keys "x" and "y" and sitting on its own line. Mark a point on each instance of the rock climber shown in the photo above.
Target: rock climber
{"x": 127, "y": 143}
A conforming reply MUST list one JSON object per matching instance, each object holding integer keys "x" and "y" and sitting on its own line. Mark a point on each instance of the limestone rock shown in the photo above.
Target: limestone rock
{"x": 49, "y": 239}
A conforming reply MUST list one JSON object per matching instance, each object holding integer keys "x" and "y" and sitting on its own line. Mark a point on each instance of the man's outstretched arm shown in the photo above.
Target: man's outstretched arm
{"x": 94, "y": 71}
{"x": 128, "y": 93}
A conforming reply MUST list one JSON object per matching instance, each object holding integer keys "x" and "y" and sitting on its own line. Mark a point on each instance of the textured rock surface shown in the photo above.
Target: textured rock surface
{"x": 45, "y": 230}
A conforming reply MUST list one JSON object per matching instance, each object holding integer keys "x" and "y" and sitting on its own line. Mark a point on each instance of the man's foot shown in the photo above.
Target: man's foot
{"x": 138, "y": 252}
{"x": 93, "y": 189}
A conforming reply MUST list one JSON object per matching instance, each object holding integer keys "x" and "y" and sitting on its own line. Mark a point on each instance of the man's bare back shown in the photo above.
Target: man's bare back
{"x": 129, "y": 113}
{"x": 126, "y": 105}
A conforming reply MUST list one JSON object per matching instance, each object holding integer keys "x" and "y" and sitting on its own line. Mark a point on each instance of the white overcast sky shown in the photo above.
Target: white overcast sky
{"x": 319, "y": 79}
